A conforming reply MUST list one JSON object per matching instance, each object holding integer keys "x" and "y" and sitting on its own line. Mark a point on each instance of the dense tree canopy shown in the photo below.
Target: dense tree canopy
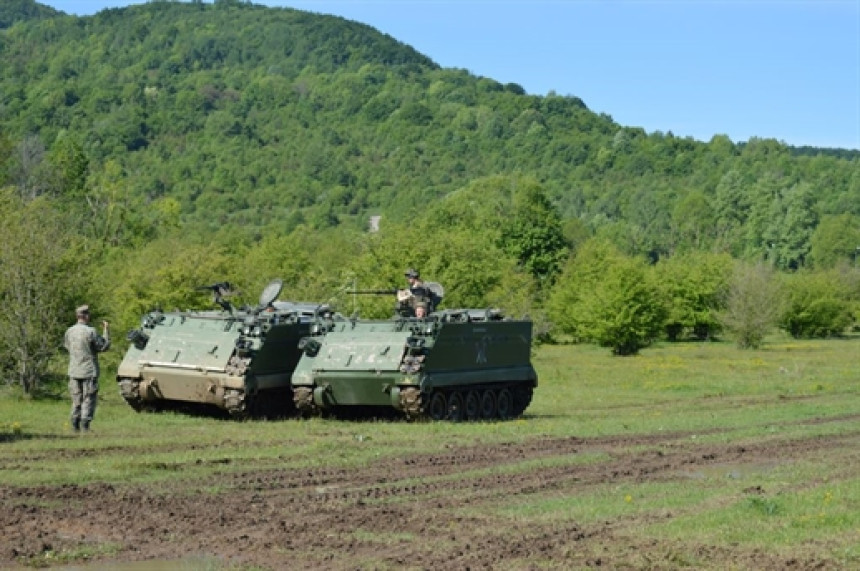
{"x": 250, "y": 115}
{"x": 174, "y": 143}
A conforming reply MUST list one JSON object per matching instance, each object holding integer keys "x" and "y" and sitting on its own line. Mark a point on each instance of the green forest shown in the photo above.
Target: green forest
{"x": 148, "y": 150}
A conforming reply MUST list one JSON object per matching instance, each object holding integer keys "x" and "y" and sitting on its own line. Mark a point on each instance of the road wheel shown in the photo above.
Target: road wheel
{"x": 438, "y": 407}
{"x": 410, "y": 402}
{"x": 472, "y": 407}
{"x": 303, "y": 398}
{"x": 130, "y": 391}
{"x": 234, "y": 402}
{"x": 456, "y": 412}
{"x": 505, "y": 404}
{"x": 488, "y": 405}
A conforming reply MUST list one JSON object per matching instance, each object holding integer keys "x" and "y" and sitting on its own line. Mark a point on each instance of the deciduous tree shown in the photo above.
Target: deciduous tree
{"x": 43, "y": 275}
{"x": 753, "y": 303}
{"x": 695, "y": 286}
{"x": 816, "y": 304}
{"x": 610, "y": 299}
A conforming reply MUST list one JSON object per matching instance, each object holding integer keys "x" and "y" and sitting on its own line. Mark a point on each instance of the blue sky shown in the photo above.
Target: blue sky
{"x": 782, "y": 69}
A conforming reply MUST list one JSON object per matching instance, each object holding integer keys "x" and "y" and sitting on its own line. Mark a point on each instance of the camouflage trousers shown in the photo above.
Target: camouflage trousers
{"x": 84, "y": 393}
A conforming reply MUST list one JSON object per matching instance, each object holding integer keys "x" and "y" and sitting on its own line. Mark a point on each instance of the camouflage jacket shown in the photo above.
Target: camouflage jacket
{"x": 84, "y": 344}
{"x": 420, "y": 294}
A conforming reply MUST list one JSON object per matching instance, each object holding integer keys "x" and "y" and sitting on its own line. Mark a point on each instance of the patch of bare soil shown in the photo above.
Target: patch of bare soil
{"x": 404, "y": 512}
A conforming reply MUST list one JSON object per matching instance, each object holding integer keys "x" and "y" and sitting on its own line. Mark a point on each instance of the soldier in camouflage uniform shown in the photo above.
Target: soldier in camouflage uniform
{"x": 84, "y": 344}
{"x": 416, "y": 294}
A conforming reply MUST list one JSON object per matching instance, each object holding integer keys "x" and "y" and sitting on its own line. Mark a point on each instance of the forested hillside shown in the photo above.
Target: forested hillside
{"x": 172, "y": 143}
{"x": 12, "y": 11}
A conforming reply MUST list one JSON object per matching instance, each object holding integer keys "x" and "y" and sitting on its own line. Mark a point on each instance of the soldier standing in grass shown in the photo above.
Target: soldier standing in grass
{"x": 84, "y": 344}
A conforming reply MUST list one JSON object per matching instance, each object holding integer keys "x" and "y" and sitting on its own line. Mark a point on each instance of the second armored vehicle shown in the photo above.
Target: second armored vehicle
{"x": 453, "y": 365}
{"x": 236, "y": 360}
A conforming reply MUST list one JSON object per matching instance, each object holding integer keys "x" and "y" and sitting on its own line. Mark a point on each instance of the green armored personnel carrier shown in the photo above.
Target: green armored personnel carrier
{"x": 453, "y": 365}
{"x": 236, "y": 360}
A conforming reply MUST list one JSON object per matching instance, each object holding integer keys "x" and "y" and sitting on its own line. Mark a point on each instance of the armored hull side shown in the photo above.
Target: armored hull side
{"x": 237, "y": 361}
{"x": 455, "y": 365}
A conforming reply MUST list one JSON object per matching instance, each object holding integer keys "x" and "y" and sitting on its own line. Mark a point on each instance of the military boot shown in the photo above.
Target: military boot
{"x": 85, "y": 426}
{"x": 76, "y": 424}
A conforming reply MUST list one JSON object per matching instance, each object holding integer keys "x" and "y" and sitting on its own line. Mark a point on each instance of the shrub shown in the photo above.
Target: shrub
{"x": 611, "y": 300}
{"x": 752, "y": 304}
{"x": 816, "y": 305}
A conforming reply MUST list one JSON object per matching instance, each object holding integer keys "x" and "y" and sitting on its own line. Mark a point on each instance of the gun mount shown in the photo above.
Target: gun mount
{"x": 220, "y": 290}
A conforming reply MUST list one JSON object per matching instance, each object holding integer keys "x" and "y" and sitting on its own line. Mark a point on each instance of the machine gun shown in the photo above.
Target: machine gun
{"x": 392, "y": 291}
{"x": 432, "y": 291}
{"x": 403, "y": 295}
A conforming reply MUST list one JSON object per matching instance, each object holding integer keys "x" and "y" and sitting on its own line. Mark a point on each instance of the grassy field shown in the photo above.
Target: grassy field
{"x": 795, "y": 404}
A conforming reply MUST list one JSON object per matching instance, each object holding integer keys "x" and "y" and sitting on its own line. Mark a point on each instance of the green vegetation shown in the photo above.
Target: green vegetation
{"x": 687, "y": 387}
{"x": 148, "y": 150}
{"x": 151, "y": 149}
{"x": 794, "y": 402}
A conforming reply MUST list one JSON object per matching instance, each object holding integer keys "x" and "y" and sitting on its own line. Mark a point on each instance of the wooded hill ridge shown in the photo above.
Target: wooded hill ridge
{"x": 173, "y": 144}
{"x": 254, "y": 116}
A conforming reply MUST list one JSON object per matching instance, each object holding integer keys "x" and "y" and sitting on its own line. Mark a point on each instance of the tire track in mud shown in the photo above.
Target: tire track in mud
{"x": 386, "y": 512}
{"x": 643, "y": 466}
{"x": 94, "y": 451}
{"x": 474, "y": 457}
{"x": 352, "y": 482}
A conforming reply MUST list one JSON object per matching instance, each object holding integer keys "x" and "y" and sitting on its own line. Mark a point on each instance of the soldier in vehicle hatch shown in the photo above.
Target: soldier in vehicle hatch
{"x": 84, "y": 344}
{"x": 421, "y": 310}
{"x": 417, "y": 293}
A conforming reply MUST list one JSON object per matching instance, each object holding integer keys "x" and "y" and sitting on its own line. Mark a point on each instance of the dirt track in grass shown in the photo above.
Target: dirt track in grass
{"x": 422, "y": 511}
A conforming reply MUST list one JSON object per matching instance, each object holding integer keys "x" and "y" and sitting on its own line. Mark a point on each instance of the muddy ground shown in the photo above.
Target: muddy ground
{"x": 403, "y": 512}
